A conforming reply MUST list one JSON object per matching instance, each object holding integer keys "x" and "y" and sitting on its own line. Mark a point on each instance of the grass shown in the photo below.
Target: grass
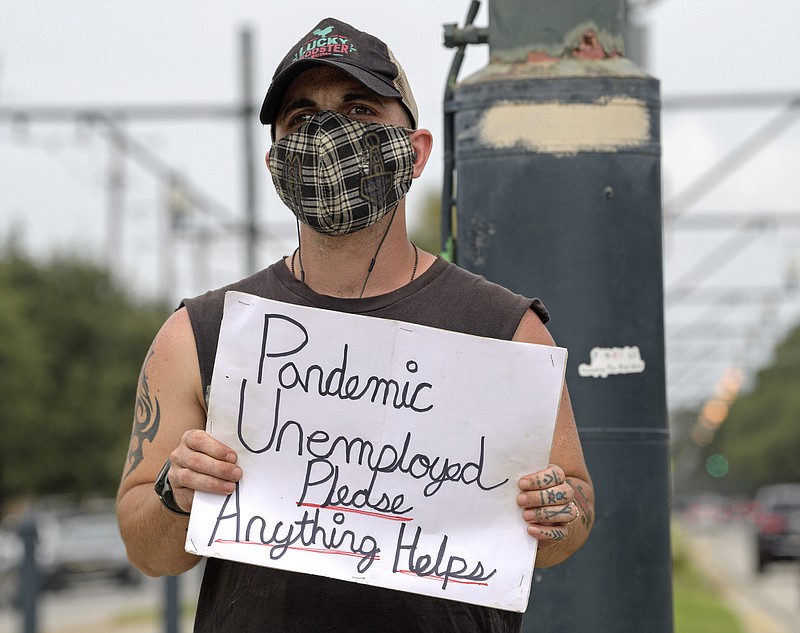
{"x": 698, "y": 605}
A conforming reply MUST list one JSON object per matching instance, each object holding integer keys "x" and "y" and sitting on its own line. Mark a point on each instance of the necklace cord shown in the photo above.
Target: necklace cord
{"x": 377, "y": 250}
{"x": 299, "y": 255}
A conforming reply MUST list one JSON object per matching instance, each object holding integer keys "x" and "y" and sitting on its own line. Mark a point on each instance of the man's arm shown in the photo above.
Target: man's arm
{"x": 168, "y": 423}
{"x": 558, "y": 502}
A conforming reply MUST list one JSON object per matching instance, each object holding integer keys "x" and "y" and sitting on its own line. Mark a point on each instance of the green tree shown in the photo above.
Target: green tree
{"x": 72, "y": 341}
{"x": 761, "y": 436}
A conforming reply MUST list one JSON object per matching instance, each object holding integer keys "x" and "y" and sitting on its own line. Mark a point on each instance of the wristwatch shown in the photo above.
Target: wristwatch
{"x": 164, "y": 491}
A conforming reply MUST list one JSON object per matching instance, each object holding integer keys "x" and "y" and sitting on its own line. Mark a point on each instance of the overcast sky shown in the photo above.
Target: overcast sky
{"x": 94, "y": 52}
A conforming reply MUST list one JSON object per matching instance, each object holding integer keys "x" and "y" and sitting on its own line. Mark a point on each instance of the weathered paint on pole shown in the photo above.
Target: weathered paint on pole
{"x": 526, "y": 30}
{"x": 557, "y": 155}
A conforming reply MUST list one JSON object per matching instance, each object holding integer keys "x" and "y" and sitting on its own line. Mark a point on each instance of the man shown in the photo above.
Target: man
{"x": 346, "y": 149}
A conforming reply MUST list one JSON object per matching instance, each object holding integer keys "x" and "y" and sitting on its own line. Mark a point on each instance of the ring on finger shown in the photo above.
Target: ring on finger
{"x": 577, "y": 514}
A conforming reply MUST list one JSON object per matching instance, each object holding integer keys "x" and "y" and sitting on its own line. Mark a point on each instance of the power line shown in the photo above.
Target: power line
{"x": 710, "y": 263}
{"x": 111, "y": 117}
{"x": 737, "y": 100}
{"x": 735, "y": 296}
{"x": 21, "y": 114}
{"x": 145, "y": 157}
{"x": 750, "y": 220}
{"x": 737, "y": 157}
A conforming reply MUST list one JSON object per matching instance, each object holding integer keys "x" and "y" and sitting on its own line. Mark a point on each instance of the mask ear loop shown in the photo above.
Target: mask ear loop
{"x": 377, "y": 250}
{"x": 300, "y": 253}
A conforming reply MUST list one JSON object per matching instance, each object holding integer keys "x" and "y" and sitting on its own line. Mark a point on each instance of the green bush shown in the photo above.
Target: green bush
{"x": 72, "y": 341}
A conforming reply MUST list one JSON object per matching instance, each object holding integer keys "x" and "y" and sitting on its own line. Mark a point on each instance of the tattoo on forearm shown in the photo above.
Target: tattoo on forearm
{"x": 146, "y": 419}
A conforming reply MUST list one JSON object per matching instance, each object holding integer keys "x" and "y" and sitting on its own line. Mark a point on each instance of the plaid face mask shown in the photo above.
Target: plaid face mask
{"x": 338, "y": 175}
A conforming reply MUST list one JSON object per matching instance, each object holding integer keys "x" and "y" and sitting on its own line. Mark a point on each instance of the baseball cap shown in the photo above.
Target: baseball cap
{"x": 361, "y": 55}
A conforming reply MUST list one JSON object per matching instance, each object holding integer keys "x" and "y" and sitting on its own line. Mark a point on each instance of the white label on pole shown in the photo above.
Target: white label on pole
{"x": 612, "y": 361}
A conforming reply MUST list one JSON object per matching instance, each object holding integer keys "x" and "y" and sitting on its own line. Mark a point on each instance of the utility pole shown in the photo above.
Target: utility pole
{"x": 115, "y": 200}
{"x": 248, "y": 119}
{"x": 557, "y": 155}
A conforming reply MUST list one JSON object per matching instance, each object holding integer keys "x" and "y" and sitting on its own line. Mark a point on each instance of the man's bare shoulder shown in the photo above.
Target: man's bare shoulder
{"x": 532, "y": 330}
{"x": 172, "y": 359}
{"x": 176, "y": 330}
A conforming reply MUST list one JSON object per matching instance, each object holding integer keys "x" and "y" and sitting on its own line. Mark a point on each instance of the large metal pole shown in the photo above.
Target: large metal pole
{"x": 557, "y": 156}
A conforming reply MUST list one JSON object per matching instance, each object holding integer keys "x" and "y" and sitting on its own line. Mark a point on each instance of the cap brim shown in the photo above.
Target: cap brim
{"x": 272, "y": 102}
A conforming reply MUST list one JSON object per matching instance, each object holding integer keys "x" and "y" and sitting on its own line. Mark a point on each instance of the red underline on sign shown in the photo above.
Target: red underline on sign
{"x": 408, "y": 572}
{"x": 378, "y": 515}
{"x": 311, "y": 550}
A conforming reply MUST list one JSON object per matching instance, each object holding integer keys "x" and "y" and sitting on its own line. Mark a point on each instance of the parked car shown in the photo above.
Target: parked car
{"x": 706, "y": 511}
{"x": 71, "y": 547}
{"x": 777, "y": 521}
{"x": 85, "y": 547}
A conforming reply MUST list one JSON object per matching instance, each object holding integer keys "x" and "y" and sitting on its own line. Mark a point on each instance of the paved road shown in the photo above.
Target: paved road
{"x": 99, "y": 607}
{"x": 768, "y": 602}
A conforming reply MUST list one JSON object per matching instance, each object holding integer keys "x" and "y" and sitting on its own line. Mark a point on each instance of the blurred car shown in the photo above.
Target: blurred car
{"x": 777, "y": 522}
{"x": 71, "y": 547}
{"x": 83, "y": 547}
{"x": 706, "y": 511}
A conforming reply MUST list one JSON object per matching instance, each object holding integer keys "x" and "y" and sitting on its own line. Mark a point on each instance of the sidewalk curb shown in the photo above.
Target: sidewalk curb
{"x": 753, "y": 618}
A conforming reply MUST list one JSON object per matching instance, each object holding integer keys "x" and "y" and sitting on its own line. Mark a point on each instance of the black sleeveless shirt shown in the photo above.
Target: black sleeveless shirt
{"x": 245, "y": 598}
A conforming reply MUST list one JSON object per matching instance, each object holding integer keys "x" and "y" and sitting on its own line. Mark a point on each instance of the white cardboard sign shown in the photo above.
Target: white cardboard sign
{"x": 377, "y": 451}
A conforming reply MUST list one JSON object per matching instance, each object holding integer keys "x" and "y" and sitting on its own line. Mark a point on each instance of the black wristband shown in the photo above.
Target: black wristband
{"x": 164, "y": 491}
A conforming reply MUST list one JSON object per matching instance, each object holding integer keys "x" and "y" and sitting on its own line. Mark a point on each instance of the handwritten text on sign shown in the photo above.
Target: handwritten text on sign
{"x": 377, "y": 451}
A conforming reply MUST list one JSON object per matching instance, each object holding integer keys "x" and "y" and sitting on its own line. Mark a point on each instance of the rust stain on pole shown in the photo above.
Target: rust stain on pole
{"x": 591, "y": 48}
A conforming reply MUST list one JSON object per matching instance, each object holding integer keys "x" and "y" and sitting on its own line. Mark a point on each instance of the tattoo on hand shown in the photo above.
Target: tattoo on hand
{"x": 547, "y": 480}
{"x": 586, "y": 514}
{"x": 550, "y": 497}
{"x": 146, "y": 419}
{"x": 548, "y": 514}
{"x": 555, "y": 534}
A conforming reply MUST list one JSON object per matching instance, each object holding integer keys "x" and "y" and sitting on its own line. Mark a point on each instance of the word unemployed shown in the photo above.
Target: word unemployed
{"x": 363, "y": 452}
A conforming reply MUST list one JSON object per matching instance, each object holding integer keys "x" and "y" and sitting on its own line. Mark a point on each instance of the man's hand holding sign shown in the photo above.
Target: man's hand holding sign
{"x": 382, "y": 452}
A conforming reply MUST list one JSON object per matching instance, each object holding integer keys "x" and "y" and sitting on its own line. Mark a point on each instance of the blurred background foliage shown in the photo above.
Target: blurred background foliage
{"x": 761, "y": 436}
{"x": 72, "y": 341}
{"x": 755, "y": 440}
